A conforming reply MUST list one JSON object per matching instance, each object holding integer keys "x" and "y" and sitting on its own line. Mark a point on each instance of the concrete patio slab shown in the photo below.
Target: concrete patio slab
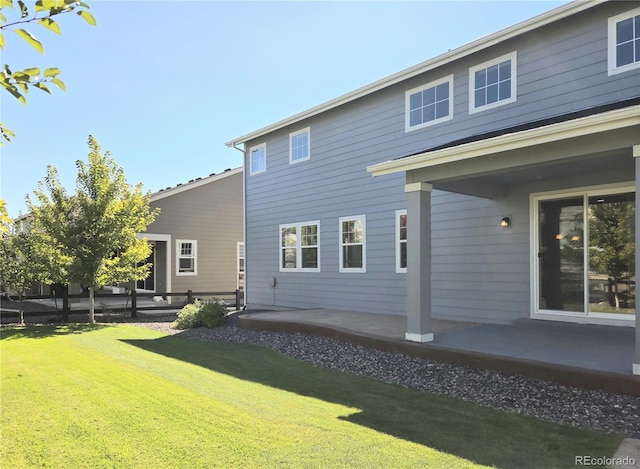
{"x": 593, "y": 357}
{"x": 604, "y": 348}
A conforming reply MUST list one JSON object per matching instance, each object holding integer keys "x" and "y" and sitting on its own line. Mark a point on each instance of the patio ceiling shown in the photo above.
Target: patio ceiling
{"x": 501, "y": 183}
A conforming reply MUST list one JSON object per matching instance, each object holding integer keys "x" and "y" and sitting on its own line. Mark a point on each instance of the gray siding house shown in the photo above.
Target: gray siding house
{"x": 198, "y": 238}
{"x": 504, "y": 183}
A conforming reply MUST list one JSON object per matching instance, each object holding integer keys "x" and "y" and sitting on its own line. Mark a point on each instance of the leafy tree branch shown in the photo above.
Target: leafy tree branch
{"x": 19, "y": 82}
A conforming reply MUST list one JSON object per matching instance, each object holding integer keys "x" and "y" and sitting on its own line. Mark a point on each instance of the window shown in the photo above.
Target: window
{"x": 429, "y": 104}
{"x": 401, "y": 241}
{"x": 258, "y": 159}
{"x": 186, "y": 257}
{"x": 299, "y": 146}
{"x": 492, "y": 83}
{"x": 300, "y": 247}
{"x": 240, "y": 282}
{"x": 352, "y": 244}
{"x": 624, "y": 42}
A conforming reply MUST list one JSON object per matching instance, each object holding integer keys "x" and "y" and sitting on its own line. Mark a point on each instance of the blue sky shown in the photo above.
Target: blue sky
{"x": 163, "y": 84}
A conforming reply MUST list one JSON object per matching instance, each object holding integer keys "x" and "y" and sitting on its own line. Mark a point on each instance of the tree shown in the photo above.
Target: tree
{"x": 18, "y": 83}
{"x": 96, "y": 228}
{"x": 5, "y": 221}
{"x": 613, "y": 240}
{"x": 25, "y": 258}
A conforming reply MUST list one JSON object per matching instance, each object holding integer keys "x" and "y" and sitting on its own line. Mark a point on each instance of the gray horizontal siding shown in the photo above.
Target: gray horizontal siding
{"x": 480, "y": 271}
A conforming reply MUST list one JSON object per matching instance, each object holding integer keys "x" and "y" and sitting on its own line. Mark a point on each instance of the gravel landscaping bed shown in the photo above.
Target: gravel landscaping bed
{"x": 598, "y": 410}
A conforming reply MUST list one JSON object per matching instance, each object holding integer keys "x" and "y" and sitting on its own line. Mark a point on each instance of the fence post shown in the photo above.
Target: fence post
{"x": 65, "y": 303}
{"x": 189, "y": 297}
{"x": 134, "y": 303}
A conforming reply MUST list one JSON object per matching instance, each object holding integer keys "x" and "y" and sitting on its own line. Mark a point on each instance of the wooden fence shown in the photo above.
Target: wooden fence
{"x": 234, "y": 299}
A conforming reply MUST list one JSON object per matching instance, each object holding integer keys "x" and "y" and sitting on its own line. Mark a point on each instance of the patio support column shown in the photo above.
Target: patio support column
{"x": 419, "y": 328}
{"x": 636, "y": 361}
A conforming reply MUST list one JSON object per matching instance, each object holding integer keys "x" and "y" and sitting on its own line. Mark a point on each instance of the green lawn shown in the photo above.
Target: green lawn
{"x": 123, "y": 396}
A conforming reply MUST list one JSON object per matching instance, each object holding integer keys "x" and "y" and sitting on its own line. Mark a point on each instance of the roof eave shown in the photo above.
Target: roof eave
{"x": 487, "y": 41}
{"x": 194, "y": 184}
{"x": 575, "y": 128}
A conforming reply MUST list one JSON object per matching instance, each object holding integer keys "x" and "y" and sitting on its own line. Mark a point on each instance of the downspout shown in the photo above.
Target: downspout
{"x": 244, "y": 218}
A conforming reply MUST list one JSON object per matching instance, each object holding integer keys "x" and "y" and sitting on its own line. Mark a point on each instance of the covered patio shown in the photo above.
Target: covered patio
{"x": 552, "y": 351}
{"x": 584, "y": 155}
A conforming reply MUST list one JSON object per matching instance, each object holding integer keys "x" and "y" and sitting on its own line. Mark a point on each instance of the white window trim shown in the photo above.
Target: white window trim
{"x": 251, "y": 150}
{"x": 298, "y": 227}
{"x": 407, "y": 104}
{"x": 306, "y": 130}
{"x": 399, "y": 270}
{"x": 472, "y": 82}
{"x": 194, "y": 245}
{"x": 611, "y": 43}
{"x": 362, "y": 269}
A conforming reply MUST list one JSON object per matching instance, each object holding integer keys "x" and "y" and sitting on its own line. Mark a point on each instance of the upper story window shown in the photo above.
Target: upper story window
{"x": 299, "y": 146}
{"x": 429, "y": 104}
{"x": 624, "y": 42}
{"x": 300, "y": 247}
{"x": 258, "y": 159}
{"x": 353, "y": 244}
{"x": 492, "y": 83}
{"x": 401, "y": 241}
{"x": 186, "y": 257}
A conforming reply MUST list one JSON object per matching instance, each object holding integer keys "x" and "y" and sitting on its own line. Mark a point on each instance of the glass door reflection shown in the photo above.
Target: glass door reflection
{"x": 561, "y": 254}
{"x": 612, "y": 286}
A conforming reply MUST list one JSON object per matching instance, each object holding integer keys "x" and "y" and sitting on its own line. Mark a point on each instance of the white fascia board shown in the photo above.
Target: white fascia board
{"x": 192, "y": 185}
{"x": 550, "y": 133}
{"x": 487, "y": 41}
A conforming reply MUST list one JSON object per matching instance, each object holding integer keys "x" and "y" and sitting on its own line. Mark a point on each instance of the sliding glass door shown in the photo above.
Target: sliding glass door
{"x": 585, "y": 246}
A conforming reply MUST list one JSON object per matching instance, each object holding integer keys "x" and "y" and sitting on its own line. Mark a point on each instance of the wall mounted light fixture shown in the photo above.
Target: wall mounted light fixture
{"x": 505, "y": 222}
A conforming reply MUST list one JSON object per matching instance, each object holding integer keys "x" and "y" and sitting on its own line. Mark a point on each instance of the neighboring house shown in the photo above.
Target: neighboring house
{"x": 505, "y": 178}
{"x": 197, "y": 239}
{"x": 198, "y": 236}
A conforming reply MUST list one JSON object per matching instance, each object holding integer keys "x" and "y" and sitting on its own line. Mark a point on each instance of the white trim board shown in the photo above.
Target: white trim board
{"x": 422, "y": 338}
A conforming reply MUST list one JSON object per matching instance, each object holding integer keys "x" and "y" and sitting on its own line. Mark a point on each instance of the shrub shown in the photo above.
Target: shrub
{"x": 213, "y": 313}
{"x": 187, "y": 316}
{"x": 198, "y": 314}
